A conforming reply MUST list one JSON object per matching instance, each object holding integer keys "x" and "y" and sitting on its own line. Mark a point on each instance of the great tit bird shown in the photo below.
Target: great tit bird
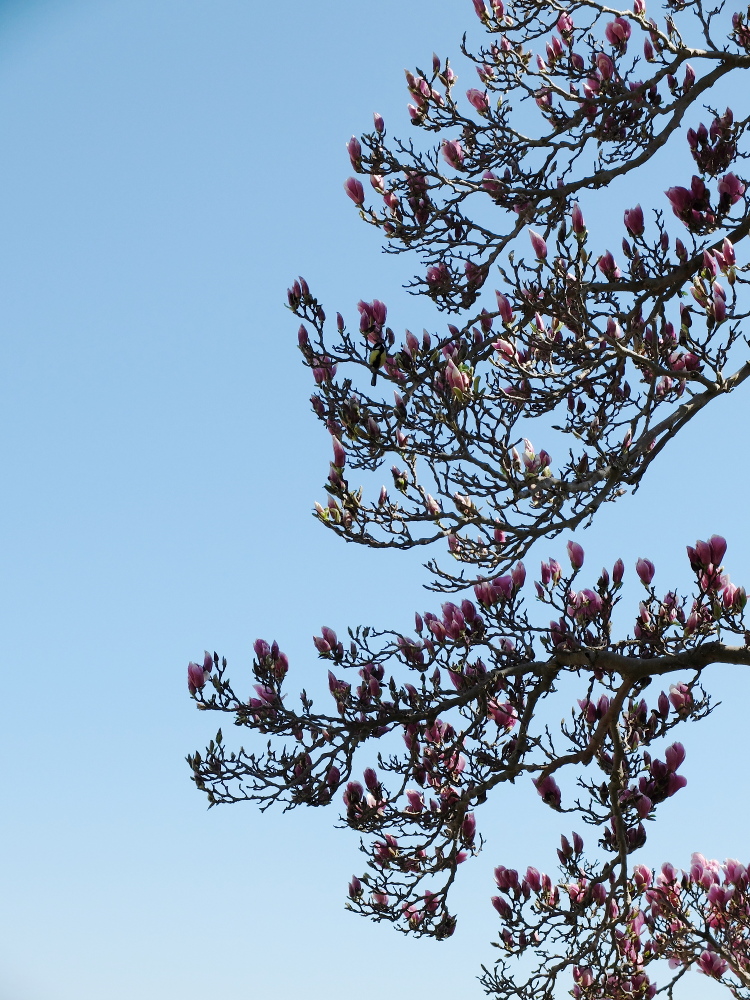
{"x": 377, "y": 357}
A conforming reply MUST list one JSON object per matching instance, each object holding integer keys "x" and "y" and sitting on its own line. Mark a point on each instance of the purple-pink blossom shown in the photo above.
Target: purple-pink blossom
{"x": 355, "y": 191}
{"x": 537, "y": 242}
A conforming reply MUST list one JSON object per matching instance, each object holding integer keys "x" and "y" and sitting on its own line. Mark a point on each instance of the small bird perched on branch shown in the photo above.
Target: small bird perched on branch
{"x": 377, "y": 357}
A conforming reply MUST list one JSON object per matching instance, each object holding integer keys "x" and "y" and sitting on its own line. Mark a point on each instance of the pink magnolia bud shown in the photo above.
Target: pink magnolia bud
{"x": 575, "y": 554}
{"x": 339, "y": 455}
{"x": 478, "y": 100}
{"x": 731, "y": 190}
{"x": 262, "y": 649}
{"x": 645, "y": 570}
{"x": 634, "y": 220}
{"x": 354, "y": 149}
{"x": 502, "y": 907}
{"x": 534, "y": 879}
{"x": 718, "y": 548}
{"x": 549, "y": 791}
{"x": 354, "y": 190}
{"x": 608, "y": 266}
{"x": 196, "y": 677}
{"x": 453, "y": 153}
{"x": 617, "y": 572}
{"x": 371, "y": 779}
{"x": 468, "y": 828}
{"x": 537, "y": 242}
{"x": 675, "y": 755}
{"x": 642, "y": 877}
{"x": 681, "y": 698}
{"x": 378, "y": 122}
{"x": 577, "y": 221}
{"x": 504, "y": 308}
{"x": 605, "y": 66}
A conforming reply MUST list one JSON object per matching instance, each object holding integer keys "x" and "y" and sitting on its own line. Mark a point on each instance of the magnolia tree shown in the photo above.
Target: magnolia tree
{"x": 611, "y": 349}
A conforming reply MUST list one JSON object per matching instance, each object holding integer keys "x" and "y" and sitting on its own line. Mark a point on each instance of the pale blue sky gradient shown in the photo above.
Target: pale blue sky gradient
{"x": 166, "y": 168}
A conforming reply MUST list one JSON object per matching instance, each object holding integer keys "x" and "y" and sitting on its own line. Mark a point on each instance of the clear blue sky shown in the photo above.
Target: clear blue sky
{"x": 166, "y": 168}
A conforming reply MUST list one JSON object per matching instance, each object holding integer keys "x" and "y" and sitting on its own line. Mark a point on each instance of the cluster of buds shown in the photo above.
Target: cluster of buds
{"x": 519, "y": 890}
{"x": 584, "y": 606}
{"x": 439, "y": 281}
{"x": 328, "y": 645}
{"x": 466, "y": 675}
{"x": 423, "y": 94}
{"x": 271, "y": 663}
{"x": 299, "y": 294}
{"x": 363, "y": 807}
{"x": 462, "y": 625}
{"x": 714, "y": 149}
{"x": 502, "y": 588}
{"x": 323, "y": 369}
{"x": 457, "y": 379}
{"x": 418, "y": 199}
{"x": 663, "y": 781}
{"x": 372, "y": 317}
{"x": 340, "y": 691}
{"x": 535, "y": 465}
{"x": 720, "y": 893}
{"x": 372, "y": 683}
{"x": 741, "y": 30}
{"x": 693, "y": 206}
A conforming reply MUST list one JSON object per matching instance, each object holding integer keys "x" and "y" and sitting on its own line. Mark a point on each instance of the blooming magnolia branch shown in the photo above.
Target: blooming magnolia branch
{"x": 612, "y": 356}
{"x": 474, "y": 717}
{"x": 615, "y": 357}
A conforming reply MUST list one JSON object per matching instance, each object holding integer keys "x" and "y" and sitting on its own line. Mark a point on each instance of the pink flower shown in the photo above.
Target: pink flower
{"x": 617, "y": 33}
{"x": 504, "y": 308}
{"x": 453, "y": 153}
{"x": 478, "y": 100}
{"x": 549, "y": 791}
{"x": 675, "y": 755}
{"x": 634, "y": 220}
{"x": 608, "y": 267}
{"x": 645, "y": 570}
{"x": 339, "y": 455}
{"x": 354, "y": 149}
{"x": 605, "y": 66}
{"x": 575, "y": 554}
{"x": 197, "y": 677}
{"x": 468, "y": 829}
{"x": 577, "y": 221}
{"x": 355, "y": 190}
{"x": 502, "y": 907}
{"x": 712, "y": 965}
{"x": 731, "y": 190}
{"x": 681, "y": 699}
{"x": 537, "y": 242}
